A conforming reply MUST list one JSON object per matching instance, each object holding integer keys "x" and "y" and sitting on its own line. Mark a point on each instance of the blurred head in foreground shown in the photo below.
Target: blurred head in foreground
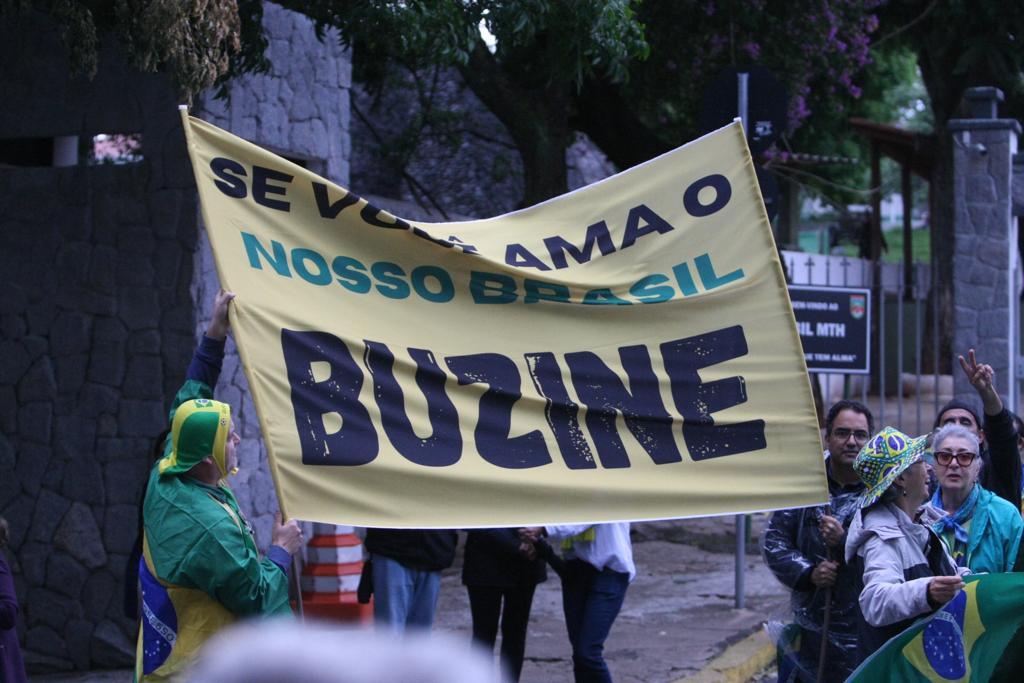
{"x": 287, "y": 651}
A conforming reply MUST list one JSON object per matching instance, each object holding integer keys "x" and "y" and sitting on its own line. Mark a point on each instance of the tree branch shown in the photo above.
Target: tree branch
{"x": 906, "y": 26}
{"x": 414, "y": 184}
{"x": 609, "y": 120}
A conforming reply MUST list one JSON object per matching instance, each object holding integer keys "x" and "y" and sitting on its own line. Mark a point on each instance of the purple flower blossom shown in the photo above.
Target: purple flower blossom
{"x": 798, "y": 111}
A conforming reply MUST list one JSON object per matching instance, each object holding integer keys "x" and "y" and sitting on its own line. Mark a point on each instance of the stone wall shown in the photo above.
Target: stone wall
{"x": 100, "y": 267}
{"x": 97, "y": 321}
{"x": 464, "y": 159}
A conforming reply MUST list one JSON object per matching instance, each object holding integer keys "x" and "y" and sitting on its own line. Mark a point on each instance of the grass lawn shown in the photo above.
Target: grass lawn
{"x": 810, "y": 242}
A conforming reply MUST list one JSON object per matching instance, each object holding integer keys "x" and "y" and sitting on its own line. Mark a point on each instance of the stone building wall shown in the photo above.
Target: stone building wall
{"x": 464, "y": 158}
{"x": 299, "y": 110}
{"x": 105, "y": 279}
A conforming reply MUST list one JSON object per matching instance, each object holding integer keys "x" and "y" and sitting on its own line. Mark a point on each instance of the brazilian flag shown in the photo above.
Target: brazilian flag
{"x": 964, "y": 641}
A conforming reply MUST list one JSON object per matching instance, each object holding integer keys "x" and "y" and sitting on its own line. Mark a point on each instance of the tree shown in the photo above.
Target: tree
{"x": 197, "y": 44}
{"x": 958, "y": 45}
{"x": 543, "y": 53}
{"x": 627, "y": 74}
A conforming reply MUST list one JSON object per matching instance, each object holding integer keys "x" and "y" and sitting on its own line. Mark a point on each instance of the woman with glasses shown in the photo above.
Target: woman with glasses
{"x": 981, "y": 530}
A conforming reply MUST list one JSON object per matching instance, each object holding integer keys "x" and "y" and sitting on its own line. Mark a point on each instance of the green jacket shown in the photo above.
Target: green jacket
{"x": 200, "y": 568}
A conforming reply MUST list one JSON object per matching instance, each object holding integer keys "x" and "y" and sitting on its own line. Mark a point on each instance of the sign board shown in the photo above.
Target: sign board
{"x": 834, "y": 325}
{"x": 767, "y": 104}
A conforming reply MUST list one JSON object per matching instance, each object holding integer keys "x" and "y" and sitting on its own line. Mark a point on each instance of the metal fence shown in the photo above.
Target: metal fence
{"x": 904, "y": 388}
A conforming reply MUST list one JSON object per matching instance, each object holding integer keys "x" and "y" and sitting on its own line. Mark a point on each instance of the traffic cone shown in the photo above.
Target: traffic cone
{"x": 330, "y": 576}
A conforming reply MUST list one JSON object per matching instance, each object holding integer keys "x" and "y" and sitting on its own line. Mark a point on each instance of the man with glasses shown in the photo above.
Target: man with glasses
{"x": 1000, "y": 468}
{"x": 803, "y": 548}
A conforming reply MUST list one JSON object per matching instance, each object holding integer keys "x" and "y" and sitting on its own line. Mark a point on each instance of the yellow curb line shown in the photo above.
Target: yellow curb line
{"x": 738, "y": 663}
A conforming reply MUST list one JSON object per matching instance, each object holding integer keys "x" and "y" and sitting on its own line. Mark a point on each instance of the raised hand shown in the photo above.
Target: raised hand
{"x": 982, "y": 378}
{"x": 219, "y": 325}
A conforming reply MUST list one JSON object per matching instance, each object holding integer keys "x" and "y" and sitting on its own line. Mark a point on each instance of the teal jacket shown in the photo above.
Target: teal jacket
{"x": 996, "y": 528}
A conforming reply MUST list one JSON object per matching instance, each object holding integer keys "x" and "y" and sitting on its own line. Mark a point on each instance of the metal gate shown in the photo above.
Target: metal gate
{"x": 904, "y": 388}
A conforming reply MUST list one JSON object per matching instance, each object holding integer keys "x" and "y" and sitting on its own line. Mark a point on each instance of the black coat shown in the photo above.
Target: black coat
{"x": 1001, "y": 473}
{"x": 792, "y": 546}
{"x": 492, "y": 558}
{"x": 419, "y": 549}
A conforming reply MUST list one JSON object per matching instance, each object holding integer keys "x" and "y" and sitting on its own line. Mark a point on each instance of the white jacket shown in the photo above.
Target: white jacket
{"x": 899, "y": 558}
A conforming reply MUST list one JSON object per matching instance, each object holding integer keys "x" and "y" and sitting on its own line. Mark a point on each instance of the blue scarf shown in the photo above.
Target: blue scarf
{"x": 963, "y": 514}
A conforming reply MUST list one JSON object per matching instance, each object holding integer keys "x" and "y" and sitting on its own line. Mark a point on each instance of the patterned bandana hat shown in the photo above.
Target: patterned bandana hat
{"x": 200, "y": 428}
{"x": 884, "y": 457}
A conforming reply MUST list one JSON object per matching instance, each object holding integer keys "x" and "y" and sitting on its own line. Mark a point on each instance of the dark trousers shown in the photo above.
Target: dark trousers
{"x": 485, "y": 605}
{"x": 591, "y": 600}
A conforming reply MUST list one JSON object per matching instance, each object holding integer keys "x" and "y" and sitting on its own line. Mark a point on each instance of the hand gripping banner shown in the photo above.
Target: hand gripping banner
{"x": 624, "y": 352}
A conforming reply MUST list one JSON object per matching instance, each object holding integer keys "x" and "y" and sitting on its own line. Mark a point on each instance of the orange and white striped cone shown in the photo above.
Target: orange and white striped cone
{"x": 330, "y": 577}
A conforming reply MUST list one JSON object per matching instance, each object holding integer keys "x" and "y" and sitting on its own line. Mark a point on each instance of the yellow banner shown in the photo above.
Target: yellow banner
{"x": 624, "y": 352}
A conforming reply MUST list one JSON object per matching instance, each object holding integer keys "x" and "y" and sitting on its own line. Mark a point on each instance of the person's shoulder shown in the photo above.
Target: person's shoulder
{"x": 998, "y": 507}
{"x": 787, "y": 515}
{"x": 881, "y": 521}
{"x": 176, "y": 497}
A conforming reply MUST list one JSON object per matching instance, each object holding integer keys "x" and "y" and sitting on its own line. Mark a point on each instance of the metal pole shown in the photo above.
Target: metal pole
{"x": 741, "y": 553}
{"x": 741, "y": 521}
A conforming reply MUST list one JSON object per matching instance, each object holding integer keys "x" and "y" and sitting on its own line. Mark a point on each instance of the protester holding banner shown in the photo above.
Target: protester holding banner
{"x": 981, "y": 530}
{"x": 1001, "y": 470}
{"x": 803, "y": 547}
{"x": 501, "y": 573}
{"x": 200, "y": 569}
{"x": 905, "y": 569}
{"x": 406, "y": 573}
{"x": 598, "y": 569}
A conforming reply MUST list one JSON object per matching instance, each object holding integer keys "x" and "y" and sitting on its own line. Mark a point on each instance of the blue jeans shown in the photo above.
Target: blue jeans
{"x": 401, "y": 596}
{"x": 591, "y": 600}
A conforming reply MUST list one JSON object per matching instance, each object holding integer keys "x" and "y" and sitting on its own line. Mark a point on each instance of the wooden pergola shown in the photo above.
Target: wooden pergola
{"x": 915, "y": 153}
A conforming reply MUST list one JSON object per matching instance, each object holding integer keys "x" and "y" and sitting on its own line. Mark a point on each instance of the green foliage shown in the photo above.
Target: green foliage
{"x": 541, "y": 41}
{"x": 894, "y": 94}
{"x": 197, "y": 43}
{"x": 816, "y": 49}
{"x": 960, "y": 44}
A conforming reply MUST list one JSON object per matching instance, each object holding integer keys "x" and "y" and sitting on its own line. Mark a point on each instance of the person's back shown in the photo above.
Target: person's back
{"x": 406, "y": 569}
{"x": 501, "y": 573}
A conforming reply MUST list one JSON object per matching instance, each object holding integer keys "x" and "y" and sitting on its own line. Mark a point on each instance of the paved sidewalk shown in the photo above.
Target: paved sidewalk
{"x": 678, "y": 620}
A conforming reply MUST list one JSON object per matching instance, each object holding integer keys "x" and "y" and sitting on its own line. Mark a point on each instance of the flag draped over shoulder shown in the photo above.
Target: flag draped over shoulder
{"x": 964, "y": 641}
{"x": 624, "y": 352}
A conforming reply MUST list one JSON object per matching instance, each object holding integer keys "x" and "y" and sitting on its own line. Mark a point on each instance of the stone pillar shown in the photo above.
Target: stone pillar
{"x": 985, "y": 260}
